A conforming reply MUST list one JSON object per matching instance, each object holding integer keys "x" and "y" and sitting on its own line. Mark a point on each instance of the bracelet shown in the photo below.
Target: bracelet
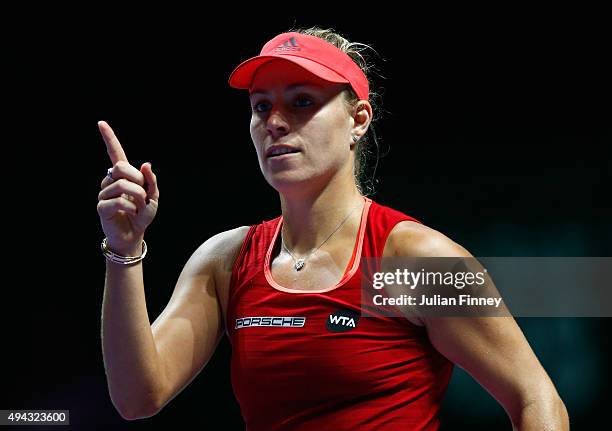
{"x": 124, "y": 260}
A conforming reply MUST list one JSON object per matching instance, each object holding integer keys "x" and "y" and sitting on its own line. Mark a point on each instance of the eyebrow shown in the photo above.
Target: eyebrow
{"x": 290, "y": 87}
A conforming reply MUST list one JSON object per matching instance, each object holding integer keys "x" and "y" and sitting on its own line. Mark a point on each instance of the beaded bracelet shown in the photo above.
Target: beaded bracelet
{"x": 124, "y": 260}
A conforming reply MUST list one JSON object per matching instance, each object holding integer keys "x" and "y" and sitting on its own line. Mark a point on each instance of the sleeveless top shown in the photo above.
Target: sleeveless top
{"x": 305, "y": 360}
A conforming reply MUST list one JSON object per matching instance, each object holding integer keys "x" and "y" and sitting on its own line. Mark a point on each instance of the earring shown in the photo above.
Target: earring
{"x": 355, "y": 139}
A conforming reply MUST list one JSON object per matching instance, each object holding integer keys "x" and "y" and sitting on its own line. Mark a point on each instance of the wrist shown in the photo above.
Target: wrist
{"x": 127, "y": 255}
{"x": 132, "y": 249}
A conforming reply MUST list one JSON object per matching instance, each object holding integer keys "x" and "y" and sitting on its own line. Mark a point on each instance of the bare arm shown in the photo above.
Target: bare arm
{"x": 189, "y": 329}
{"x": 492, "y": 349}
{"x": 148, "y": 365}
{"x": 127, "y": 204}
{"x": 495, "y": 352}
{"x": 131, "y": 360}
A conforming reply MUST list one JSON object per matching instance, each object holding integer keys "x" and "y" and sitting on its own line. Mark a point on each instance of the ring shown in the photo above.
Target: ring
{"x": 109, "y": 173}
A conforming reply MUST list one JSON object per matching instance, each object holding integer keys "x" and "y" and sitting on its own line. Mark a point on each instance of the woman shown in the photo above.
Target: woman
{"x": 287, "y": 291}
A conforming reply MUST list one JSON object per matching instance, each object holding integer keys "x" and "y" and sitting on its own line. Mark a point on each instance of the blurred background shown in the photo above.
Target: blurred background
{"x": 496, "y": 127}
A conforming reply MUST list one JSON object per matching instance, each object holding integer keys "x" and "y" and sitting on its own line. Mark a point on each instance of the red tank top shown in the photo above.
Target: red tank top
{"x": 306, "y": 361}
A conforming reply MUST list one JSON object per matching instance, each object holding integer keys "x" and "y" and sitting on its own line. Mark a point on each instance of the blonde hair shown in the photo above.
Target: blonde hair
{"x": 366, "y": 157}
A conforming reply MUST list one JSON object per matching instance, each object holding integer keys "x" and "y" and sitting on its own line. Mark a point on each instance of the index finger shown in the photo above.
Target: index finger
{"x": 113, "y": 147}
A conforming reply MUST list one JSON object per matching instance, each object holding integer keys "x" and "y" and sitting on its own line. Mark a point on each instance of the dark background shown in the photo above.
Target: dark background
{"x": 499, "y": 130}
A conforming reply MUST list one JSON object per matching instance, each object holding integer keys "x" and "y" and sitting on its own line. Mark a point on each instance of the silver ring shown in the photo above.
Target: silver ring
{"x": 109, "y": 173}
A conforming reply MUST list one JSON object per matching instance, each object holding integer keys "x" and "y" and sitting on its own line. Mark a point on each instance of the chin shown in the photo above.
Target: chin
{"x": 287, "y": 182}
{"x": 293, "y": 183}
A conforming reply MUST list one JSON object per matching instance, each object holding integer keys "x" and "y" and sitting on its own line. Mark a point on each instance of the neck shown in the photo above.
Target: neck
{"x": 309, "y": 219}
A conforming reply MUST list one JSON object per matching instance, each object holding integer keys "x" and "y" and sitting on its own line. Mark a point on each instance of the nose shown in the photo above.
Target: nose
{"x": 277, "y": 124}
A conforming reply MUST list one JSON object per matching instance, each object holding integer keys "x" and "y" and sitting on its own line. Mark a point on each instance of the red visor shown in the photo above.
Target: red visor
{"x": 314, "y": 54}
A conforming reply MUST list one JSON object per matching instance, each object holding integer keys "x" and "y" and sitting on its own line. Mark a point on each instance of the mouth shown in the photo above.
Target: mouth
{"x": 279, "y": 151}
{"x": 283, "y": 155}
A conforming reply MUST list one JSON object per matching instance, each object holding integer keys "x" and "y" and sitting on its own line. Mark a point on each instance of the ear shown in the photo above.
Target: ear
{"x": 362, "y": 117}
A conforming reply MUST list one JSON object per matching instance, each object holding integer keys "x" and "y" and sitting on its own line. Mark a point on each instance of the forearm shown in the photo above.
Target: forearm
{"x": 542, "y": 415}
{"x": 130, "y": 358}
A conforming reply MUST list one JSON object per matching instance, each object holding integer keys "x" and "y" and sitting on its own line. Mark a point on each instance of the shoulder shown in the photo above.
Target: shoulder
{"x": 232, "y": 241}
{"x": 219, "y": 251}
{"x": 228, "y": 244}
{"x": 410, "y": 238}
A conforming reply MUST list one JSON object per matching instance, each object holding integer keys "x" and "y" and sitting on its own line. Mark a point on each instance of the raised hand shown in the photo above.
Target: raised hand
{"x": 129, "y": 198}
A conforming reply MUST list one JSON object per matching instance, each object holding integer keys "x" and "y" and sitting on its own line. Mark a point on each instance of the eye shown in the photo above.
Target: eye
{"x": 303, "y": 101}
{"x": 260, "y": 106}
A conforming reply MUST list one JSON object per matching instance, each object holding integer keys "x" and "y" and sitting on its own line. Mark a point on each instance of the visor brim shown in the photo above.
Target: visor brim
{"x": 242, "y": 76}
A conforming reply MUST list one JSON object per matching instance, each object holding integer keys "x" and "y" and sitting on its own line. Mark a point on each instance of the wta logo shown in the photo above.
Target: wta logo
{"x": 277, "y": 321}
{"x": 342, "y": 321}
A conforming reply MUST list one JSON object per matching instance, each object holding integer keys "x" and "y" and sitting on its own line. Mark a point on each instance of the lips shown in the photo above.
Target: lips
{"x": 287, "y": 149}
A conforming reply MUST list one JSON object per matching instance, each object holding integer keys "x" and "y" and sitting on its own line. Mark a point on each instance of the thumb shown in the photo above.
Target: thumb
{"x": 151, "y": 181}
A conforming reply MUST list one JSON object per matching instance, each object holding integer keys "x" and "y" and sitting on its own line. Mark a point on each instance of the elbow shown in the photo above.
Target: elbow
{"x": 547, "y": 413}
{"x": 554, "y": 414}
{"x": 132, "y": 415}
{"x": 562, "y": 413}
{"x": 132, "y": 411}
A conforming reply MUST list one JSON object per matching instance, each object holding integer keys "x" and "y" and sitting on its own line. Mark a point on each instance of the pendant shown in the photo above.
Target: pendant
{"x": 299, "y": 264}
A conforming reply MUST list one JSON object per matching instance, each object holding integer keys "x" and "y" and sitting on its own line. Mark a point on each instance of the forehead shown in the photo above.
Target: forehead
{"x": 285, "y": 75}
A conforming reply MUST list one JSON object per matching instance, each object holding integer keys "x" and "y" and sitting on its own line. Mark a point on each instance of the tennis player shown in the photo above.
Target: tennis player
{"x": 286, "y": 291}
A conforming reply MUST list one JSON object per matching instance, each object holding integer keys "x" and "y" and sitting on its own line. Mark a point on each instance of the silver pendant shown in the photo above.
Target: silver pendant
{"x": 299, "y": 264}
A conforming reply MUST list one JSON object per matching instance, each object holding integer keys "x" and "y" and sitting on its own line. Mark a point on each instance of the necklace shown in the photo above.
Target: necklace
{"x": 299, "y": 263}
